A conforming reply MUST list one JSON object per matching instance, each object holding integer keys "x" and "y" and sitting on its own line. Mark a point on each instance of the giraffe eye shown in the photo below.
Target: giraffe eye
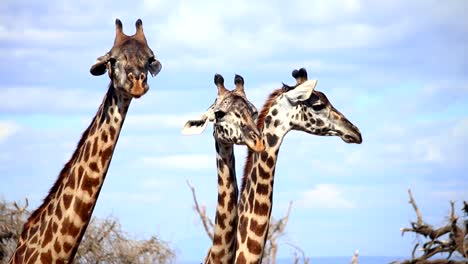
{"x": 318, "y": 107}
{"x": 219, "y": 114}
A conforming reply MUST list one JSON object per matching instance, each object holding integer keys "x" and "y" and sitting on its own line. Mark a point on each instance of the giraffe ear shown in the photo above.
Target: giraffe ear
{"x": 100, "y": 67}
{"x": 195, "y": 127}
{"x": 302, "y": 92}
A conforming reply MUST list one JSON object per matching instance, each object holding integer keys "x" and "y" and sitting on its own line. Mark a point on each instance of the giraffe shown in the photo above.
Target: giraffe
{"x": 233, "y": 116}
{"x": 296, "y": 107}
{"x": 53, "y": 232}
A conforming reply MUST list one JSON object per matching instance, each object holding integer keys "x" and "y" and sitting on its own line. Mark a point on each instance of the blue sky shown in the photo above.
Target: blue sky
{"x": 396, "y": 69}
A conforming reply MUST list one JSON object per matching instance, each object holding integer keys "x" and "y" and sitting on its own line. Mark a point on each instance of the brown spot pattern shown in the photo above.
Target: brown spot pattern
{"x": 262, "y": 188}
{"x": 257, "y": 228}
{"x": 253, "y": 246}
{"x": 241, "y": 259}
{"x": 93, "y": 166}
{"x": 261, "y": 208}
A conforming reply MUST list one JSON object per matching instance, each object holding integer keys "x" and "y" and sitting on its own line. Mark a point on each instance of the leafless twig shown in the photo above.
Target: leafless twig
{"x": 206, "y": 221}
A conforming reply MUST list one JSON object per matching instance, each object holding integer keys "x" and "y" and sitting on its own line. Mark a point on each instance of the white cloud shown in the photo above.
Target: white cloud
{"x": 146, "y": 121}
{"x": 325, "y": 196}
{"x": 451, "y": 195}
{"x": 7, "y": 129}
{"x": 460, "y": 130}
{"x": 48, "y": 99}
{"x": 134, "y": 197}
{"x": 181, "y": 162}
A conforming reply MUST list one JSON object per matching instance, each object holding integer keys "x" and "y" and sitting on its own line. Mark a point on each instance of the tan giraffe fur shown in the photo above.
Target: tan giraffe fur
{"x": 53, "y": 232}
{"x": 289, "y": 108}
{"x": 230, "y": 108}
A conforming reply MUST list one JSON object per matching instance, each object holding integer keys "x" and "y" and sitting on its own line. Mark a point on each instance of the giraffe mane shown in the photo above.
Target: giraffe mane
{"x": 260, "y": 122}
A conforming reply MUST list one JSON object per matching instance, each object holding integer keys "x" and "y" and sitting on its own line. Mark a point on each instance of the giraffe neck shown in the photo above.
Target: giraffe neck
{"x": 256, "y": 200}
{"x": 53, "y": 232}
{"x": 222, "y": 250}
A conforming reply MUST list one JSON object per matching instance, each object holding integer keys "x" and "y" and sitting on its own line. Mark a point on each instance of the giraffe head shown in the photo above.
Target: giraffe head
{"x": 128, "y": 61}
{"x": 232, "y": 115}
{"x": 311, "y": 111}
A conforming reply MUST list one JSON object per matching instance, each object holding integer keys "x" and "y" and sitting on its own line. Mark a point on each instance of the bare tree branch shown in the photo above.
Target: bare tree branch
{"x": 355, "y": 259}
{"x": 457, "y": 238}
{"x": 206, "y": 221}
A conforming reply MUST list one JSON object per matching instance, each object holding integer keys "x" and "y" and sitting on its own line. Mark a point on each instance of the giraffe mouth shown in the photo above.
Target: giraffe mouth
{"x": 356, "y": 139}
{"x": 138, "y": 89}
{"x": 255, "y": 145}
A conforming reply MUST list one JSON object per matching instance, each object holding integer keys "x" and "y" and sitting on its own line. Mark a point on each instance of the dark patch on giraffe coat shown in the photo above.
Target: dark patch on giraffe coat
{"x": 267, "y": 121}
{"x": 71, "y": 180}
{"x": 50, "y": 209}
{"x": 34, "y": 238}
{"x": 243, "y": 222}
{"x": 221, "y": 166}
{"x": 232, "y": 200}
{"x": 46, "y": 257}
{"x": 263, "y": 188}
{"x": 69, "y": 228}
{"x": 221, "y": 198}
{"x": 58, "y": 211}
{"x": 277, "y": 123}
{"x": 272, "y": 139}
{"x": 229, "y": 235}
{"x": 29, "y": 252}
{"x": 274, "y": 112}
{"x": 251, "y": 200}
{"x": 86, "y": 152}
{"x": 88, "y": 184}
{"x": 106, "y": 155}
{"x": 82, "y": 209}
{"x": 263, "y": 173}
{"x": 261, "y": 208}
{"x": 48, "y": 235}
{"x": 270, "y": 162}
{"x": 264, "y": 156}
{"x": 57, "y": 246}
{"x": 320, "y": 122}
{"x": 95, "y": 147}
{"x": 254, "y": 176}
{"x": 254, "y": 247}
{"x": 67, "y": 247}
{"x": 67, "y": 200}
{"x": 93, "y": 166}
{"x": 241, "y": 259}
{"x": 217, "y": 240}
{"x": 257, "y": 228}
{"x": 220, "y": 180}
{"x": 34, "y": 257}
{"x": 20, "y": 250}
{"x": 112, "y": 132}
{"x": 220, "y": 218}
{"x": 104, "y": 136}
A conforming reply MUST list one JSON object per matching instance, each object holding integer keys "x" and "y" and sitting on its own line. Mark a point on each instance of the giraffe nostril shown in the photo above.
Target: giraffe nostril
{"x": 142, "y": 76}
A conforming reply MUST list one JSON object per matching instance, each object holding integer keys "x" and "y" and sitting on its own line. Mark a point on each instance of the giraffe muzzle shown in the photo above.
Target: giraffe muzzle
{"x": 138, "y": 85}
{"x": 255, "y": 142}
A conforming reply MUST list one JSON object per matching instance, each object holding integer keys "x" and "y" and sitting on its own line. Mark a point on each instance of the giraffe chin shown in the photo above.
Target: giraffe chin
{"x": 256, "y": 146}
{"x": 137, "y": 90}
